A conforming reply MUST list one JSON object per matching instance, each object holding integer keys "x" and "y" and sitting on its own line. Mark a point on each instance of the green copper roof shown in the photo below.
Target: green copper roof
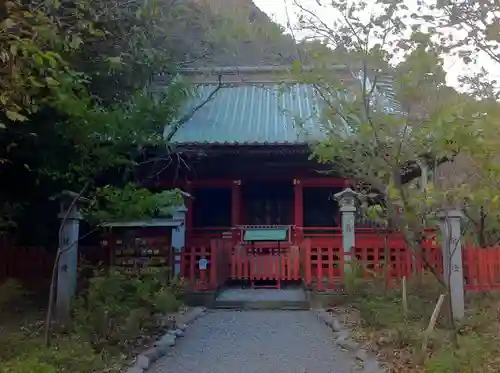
{"x": 258, "y": 114}
{"x": 252, "y": 114}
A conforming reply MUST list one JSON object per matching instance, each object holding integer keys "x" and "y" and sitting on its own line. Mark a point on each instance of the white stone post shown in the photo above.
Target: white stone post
{"x": 347, "y": 202}
{"x": 179, "y": 237}
{"x": 68, "y": 244}
{"x": 452, "y": 259}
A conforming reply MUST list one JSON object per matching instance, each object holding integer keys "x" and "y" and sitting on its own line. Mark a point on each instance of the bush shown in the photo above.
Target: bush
{"x": 473, "y": 349}
{"x": 165, "y": 301}
{"x": 380, "y": 312}
{"x": 11, "y": 291}
{"x": 470, "y": 356}
{"x": 69, "y": 354}
{"x": 118, "y": 305}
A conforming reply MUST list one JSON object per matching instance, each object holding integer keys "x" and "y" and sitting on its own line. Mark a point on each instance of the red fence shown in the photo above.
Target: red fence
{"x": 32, "y": 265}
{"x": 206, "y": 267}
{"x": 482, "y": 268}
{"x": 380, "y": 254}
{"x": 203, "y": 236}
{"x": 318, "y": 261}
{"x": 388, "y": 255}
{"x": 29, "y": 264}
{"x": 323, "y": 262}
{"x": 265, "y": 262}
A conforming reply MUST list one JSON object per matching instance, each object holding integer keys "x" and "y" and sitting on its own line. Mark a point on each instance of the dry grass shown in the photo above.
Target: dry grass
{"x": 376, "y": 320}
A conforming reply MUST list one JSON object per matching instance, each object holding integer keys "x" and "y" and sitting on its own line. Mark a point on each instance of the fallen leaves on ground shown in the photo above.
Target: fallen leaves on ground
{"x": 395, "y": 347}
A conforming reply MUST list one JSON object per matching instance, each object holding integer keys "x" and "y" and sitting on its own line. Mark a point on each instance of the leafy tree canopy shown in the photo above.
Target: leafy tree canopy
{"x": 373, "y": 145}
{"x": 75, "y": 108}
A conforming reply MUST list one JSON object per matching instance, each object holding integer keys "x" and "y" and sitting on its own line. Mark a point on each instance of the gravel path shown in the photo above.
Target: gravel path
{"x": 256, "y": 342}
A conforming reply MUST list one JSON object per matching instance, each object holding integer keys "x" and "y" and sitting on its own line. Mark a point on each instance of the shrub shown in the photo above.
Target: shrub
{"x": 470, "y": 356}
{"x": 364, "y": 281}
{"x": 118, "y": 305}
{"x": 178, "y": 287}
{"x": 165, "y": 301}
{"x": 473, "y": 349}
{"x": 70, "y": 354}
{"x": 11, "y": 291}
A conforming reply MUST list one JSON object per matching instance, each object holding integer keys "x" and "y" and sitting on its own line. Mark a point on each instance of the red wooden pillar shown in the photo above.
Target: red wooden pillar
{"x": 298, "y": 209}
{"x": 235, "y": 207}
{"x": 189, "y": 214}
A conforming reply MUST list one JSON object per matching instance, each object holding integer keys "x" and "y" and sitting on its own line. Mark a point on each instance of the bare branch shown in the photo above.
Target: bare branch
{"x": 193, "y": 111}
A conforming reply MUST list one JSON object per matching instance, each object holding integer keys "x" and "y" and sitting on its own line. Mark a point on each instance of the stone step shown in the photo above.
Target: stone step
{"x": 262, "y": 304}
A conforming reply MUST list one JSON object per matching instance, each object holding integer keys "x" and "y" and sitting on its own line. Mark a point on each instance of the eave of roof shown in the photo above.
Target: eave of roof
{"x": 250, "y": 115}
{"x": 257, "y": 110}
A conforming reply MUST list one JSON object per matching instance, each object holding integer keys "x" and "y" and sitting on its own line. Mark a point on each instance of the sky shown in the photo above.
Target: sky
{"x": 282, "y": 10}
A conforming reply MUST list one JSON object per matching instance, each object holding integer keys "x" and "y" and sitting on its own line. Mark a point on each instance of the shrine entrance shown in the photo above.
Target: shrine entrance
{"x": 265, "y": 257}
{"x": 267, "y": 203}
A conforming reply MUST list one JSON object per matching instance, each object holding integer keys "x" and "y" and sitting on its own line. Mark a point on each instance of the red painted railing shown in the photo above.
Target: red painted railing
{"x": 482, "y": 268}
{"x": 389, "y": 254}
{"x": 32, "y": 265}
{"x": 215, "y": 273}
{"x": 313, "y": 232}
{"x": 378, "y": 253}
{"x": 318, "y": 261}
{"x": 203, "y": 236}
{"x": 323, "y": 262}
{"x": 265, "y": 262}
{"x": 377, "y": 249}
{"x": 29, "y": 264}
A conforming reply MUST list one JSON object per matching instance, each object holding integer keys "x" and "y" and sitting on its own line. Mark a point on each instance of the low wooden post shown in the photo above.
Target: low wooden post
{"x": 405, "y": 297}
{"x": 432, "y": 324}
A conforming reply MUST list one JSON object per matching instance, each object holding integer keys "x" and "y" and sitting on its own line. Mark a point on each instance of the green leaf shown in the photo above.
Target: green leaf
{"x": 51, "y": 82}
{"x": 15, "y": 116}
{"x": 114, "y": 61}
{"x": 296, "y": 67}
{"x": 76, "y": 41}
{"x": 7, "y": 24}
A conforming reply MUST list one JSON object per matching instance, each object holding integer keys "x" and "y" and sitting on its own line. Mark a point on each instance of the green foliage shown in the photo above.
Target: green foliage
{"x": 116, "y": 308}
{"x": 233, "y": 27}
{"x": 403, "y": 45}
{"x": 34, "y": 75}
{"x": 52, "y": 43}
{"x": 476, "y": 348}
{"x": 382, "y": 315}
{"x": 11, "y": 291}
{"x": 132, "y": 203}
{"x": 77, "y": 82}
{"x": 21, "y": 345}
{"x": 70, "y": 354}
{"x": 355, "y": 283}
{"x": 381, "y": 311}
{"x": 118, "y": 305}
{"x": 472, "y": 353}
{"x": 380, "y": 304}
{"x": 382, "y": 145}
{"x": 106, "y": 137}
